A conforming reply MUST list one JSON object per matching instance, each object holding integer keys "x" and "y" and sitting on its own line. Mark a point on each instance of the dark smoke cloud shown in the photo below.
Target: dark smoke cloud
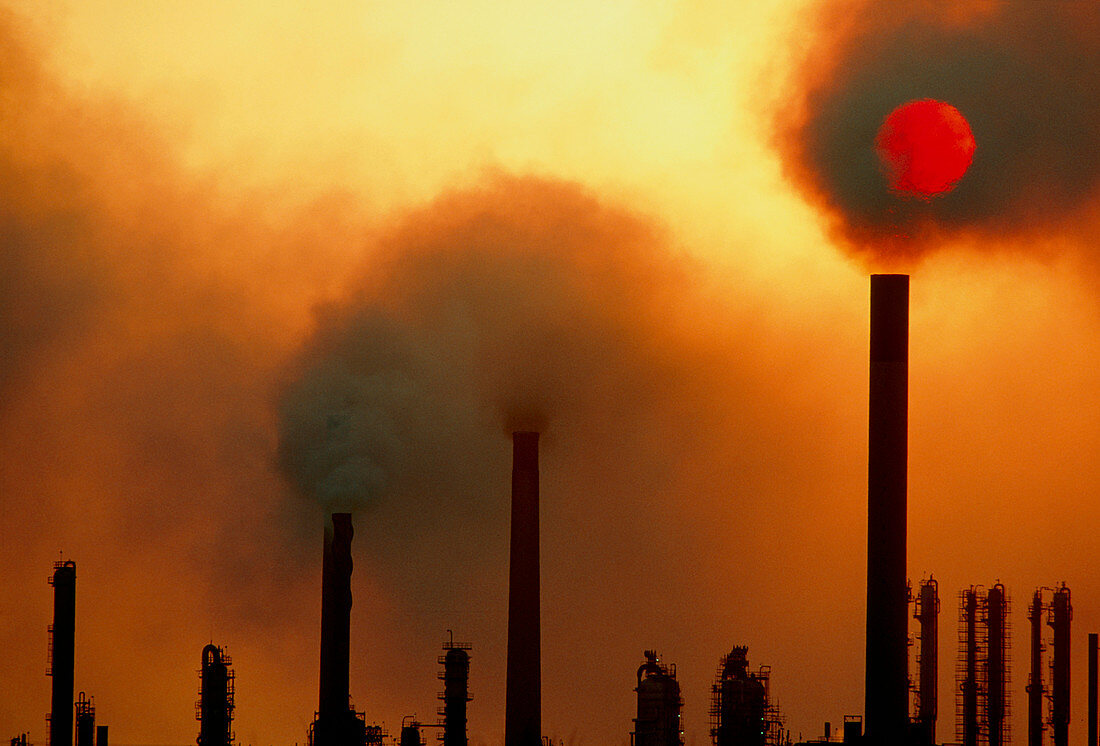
{"x": 1022, "y": 73}
{"x": 519, "y": 305}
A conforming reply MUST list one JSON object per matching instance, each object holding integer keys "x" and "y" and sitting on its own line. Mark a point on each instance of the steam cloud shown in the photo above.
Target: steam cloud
{"x": 1020, "y": 72}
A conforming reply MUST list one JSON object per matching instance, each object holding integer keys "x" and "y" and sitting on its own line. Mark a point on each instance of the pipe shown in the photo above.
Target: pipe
{"x": 62, "y": 635}
{"x": 887, "y": 685}
{"x": 1035, "y": 688}
{"x": 1092, "y": 690}
{"x": 85, "y": 721}
{"x": 523, "y": 697}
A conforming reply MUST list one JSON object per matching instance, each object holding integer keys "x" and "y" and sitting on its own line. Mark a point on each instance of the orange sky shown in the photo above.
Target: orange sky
{"x": 212, "y": 216}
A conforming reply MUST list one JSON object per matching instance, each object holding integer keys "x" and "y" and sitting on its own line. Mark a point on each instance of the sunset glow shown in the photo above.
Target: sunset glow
{"x": 264, "y": 260}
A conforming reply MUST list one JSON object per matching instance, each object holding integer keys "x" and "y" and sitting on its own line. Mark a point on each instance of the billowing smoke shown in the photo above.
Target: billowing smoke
{"x": 513, "y": 306}
{"x": 1020, "y": 72}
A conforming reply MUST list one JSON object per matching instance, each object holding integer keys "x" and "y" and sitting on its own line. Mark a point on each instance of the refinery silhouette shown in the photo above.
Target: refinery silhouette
{"x": 900, "y": 699}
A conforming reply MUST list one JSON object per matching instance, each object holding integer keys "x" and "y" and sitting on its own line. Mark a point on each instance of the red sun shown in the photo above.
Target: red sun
{"x": 925, "y": 147}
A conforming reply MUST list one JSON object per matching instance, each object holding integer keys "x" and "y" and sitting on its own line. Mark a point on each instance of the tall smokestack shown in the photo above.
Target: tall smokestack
{"x": 887, "y": 684}
{"x": 336, "y": 723}
{"x": 523, "y": 696}
{"x": 335, "y": 617}
{"x": 62, "y": 635}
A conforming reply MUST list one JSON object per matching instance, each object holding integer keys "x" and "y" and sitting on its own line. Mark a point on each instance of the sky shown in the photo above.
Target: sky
{"x": 261, "y": 261}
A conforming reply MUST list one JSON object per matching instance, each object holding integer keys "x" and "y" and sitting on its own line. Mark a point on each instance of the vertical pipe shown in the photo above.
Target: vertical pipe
{"x": 335, "y": 617}
{"x": 523, "y": 698}
{"x": 85, "y": 721}
{"x": 887, "y": 705}
{"x": 996, "y": 606}
{"x": 1092, "y": 690}
{"x": 970, "y": 682}
{"x": 61, "y": 658}
{"x": 1061, "y": 613}
{"x": 101, "y": 735}
{"x": 929, "y": 600}
{"x": 1035, "y": 681}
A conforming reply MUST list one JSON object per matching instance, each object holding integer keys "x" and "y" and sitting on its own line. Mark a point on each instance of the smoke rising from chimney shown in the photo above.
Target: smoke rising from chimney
{"x": 1016, "y": 70}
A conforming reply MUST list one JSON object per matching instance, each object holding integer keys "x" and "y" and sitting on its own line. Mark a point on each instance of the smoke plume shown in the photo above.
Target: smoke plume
{"x": 1020, "y": 72}
{"x": 512, "y": 306}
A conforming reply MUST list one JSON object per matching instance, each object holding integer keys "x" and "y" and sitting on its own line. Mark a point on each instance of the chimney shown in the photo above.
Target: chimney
{"x": 336, "y": 723}
{"x": 62, "y": 634}
{"x": 523, "y": 698}
{"x": 887, "y": 686}
{"x": 335, "y": 617}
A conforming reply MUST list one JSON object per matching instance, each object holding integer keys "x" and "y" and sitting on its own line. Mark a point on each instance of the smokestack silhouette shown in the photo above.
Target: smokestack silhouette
{"x": 1060, "y": 615}
{"x": 336, "y": 723}
{"x": 1035, "y": 688}
{"x": 1092, "y": 690}
{"x": 456, "y": 675}
{"x": 887, "y": 683}
{"x": 215, "y": 698}
{"x": 62, "y": 634}
{"x": 523, "y": 697}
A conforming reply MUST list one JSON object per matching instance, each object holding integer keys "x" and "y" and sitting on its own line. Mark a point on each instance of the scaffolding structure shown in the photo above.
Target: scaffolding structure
{"x": 1060, "y": 613}
{"x": 983, "y": 668}
{"x": 926, "y": 610}
{"x": 741, "y": 710}
{"x": 456, "y": 692}
{"x": 214, "y": 708}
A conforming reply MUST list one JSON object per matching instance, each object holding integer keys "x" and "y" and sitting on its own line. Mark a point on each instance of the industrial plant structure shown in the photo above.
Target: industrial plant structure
{"x": 742, "y": 711}
{"x": 214, "y": 710}
{"x": 926, "y": 610}
{"x": 62, "y": 644}
{"x": 659, "y": 705}
{"x": 456, "y": 692}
